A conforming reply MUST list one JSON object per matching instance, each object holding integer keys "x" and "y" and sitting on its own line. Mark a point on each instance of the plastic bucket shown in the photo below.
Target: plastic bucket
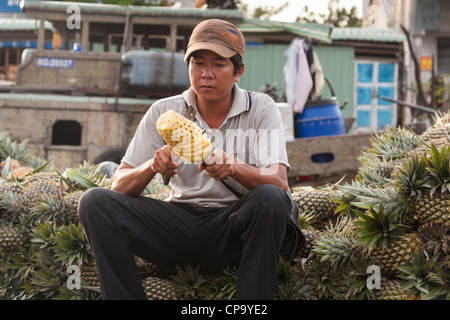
{"x": 319, "y": 118}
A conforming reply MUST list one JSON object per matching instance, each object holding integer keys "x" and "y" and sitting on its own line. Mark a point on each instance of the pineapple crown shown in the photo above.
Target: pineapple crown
{"x": 378, "y": 227}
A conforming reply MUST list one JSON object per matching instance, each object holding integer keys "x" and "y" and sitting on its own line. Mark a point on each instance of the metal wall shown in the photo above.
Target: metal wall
{"x": 264, "y": 65}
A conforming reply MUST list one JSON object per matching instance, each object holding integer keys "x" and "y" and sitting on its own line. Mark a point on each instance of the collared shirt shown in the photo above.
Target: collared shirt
{"x": 252, "y": 132}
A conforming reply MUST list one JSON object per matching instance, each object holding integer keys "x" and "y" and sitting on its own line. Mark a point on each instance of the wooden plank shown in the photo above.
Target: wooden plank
{"x": 326, "y": 155}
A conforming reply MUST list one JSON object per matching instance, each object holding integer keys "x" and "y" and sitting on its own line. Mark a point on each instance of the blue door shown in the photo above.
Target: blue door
{"x": 374, "y": 80}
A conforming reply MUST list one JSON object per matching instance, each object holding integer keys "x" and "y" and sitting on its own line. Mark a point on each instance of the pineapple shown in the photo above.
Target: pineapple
{"x": 375, "y": 171}
{"x": 86, "y": 176}
{"x": 49, "y": 208}
{"x": 223, "y": 286}
{"x": 159, "y": 288}
{"x": 398, "y": 253}
{"x": 9, "y": 164}
{"x": 71, "y": 204}
{"x": 49, "y": 176}
{"x": 424, "y": 148}
{"x": 286, "y": 281}
{"x": 11, "y": 208}
{"x": 11, "y": 168}
{"x": 184, "y": 137}
{"x": 147, "y": 269}
{"x": 413, "y": 178}
{"x": 157, "y": 188}
{"x": 391, "y": 144}
{"x": 433, "y": 209}
{"x": 387, "y": 150}
{"x": 435, "y": 239}
{"x": 10, "y": 187}
{"x": 440, "y": 129}
{"x": 188, "y": 282}
{"x": 392, "y": 289}
{"x": 35, "y": 190}
{"x": 89, "y": 275}
{"x": 427, "y": 181}
{"x": 159, "y": 196}
{"x": 311, "y": 236}
{"x": 10, "y": 239}
{"x": 12, "y": 149}
{"x": 384, "y": 238}
{"x": 337, "y": 244}
{"x": 324, "y": 282}
{"x": 319, "y": 202}
{"x": 21, "y": 172}
{"x": 426, "y": 278}
{"x": 71, "y": 245}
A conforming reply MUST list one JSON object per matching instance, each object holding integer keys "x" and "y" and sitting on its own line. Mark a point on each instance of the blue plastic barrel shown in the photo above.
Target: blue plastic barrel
{"x": 319, "y": 118}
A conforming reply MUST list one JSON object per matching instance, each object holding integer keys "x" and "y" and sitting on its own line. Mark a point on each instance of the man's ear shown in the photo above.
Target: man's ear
{"x": 238, "y": 74}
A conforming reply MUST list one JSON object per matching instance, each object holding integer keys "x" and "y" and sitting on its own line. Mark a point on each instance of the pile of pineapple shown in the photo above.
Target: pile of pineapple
{"x": 385, "y": 235}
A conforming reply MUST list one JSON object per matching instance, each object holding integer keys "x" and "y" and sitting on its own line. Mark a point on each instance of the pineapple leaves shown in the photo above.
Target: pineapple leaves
{"x": 80, "y": 178}
{"x": 68, "y": 243}
{"x": 438, "y": 164}
{"x": 378, "y": 227}
{"x": 424, "y": 276}
{"x": 71, "y": 245}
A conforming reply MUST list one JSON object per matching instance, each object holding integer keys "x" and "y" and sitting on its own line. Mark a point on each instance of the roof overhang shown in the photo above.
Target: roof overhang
{"x": 57, "y": 11}
{"x": 318, "y": 32}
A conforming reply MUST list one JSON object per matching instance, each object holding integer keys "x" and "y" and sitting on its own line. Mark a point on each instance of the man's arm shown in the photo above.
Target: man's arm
{"x": 133, "y": 181}
{"x": 222, "y": 166}
{"x": 251, "y": 177}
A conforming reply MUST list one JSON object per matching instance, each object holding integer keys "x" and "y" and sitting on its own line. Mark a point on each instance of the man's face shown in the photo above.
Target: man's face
{"x": 212, "y": 76}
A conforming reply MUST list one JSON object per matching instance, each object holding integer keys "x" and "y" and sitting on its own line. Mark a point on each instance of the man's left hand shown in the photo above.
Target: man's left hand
{"x": 219, "y": 166}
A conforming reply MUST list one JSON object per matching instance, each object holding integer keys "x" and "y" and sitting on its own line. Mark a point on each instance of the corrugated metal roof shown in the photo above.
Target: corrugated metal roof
{"x": 130, "y": 9}
{"x": 11, "y": 24}
{"x": 312, "y": 30}
{"x": 367, "y": 34}
{"x": 78, "y": 99}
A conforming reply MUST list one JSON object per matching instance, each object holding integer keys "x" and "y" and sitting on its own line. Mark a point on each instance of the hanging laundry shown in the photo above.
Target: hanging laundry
{"x": 318, "y": 78}
{"x": 304, "y": 82}
{"x": 290, "y": 71}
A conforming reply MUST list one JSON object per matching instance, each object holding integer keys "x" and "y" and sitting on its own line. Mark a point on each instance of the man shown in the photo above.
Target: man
{"x": 235, "y": 210}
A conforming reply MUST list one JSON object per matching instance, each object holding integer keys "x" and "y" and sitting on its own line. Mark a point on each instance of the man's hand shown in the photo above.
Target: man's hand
{"x": 219, "y": 166}
{"x": 162, "y": 162}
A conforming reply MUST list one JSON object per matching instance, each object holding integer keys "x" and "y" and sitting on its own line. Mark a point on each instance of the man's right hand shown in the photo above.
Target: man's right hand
{"x": 162, "y": 162}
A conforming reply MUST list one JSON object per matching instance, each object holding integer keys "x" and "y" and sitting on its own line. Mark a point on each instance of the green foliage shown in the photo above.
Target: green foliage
{"x": 438, "y": 164}
{"x": 71, "y": 246}
{"x": 122, "y": 2}
{"x": 427, "y": 277}
{"x": 378, "y": 227}
{"x": 220, "y": 287}
{"x": 337, "y": 16}
{"x": 188, "y": 281}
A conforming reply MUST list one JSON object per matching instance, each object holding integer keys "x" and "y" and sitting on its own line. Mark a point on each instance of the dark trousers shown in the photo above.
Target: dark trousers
{"x": 248, "y": 233}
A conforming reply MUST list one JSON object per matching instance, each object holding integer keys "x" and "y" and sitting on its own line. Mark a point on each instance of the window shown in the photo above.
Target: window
{"x": 66, "y": 132}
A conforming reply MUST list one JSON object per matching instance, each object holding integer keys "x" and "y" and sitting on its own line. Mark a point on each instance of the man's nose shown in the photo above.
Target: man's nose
{"x": 207, "y": 72}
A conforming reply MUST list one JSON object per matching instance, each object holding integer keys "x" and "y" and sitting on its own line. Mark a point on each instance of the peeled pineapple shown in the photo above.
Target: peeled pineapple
{"x": 184, "y": 137}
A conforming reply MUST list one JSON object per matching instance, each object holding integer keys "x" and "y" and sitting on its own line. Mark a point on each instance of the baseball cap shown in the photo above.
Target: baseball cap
{"x": 216, "y": 35}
